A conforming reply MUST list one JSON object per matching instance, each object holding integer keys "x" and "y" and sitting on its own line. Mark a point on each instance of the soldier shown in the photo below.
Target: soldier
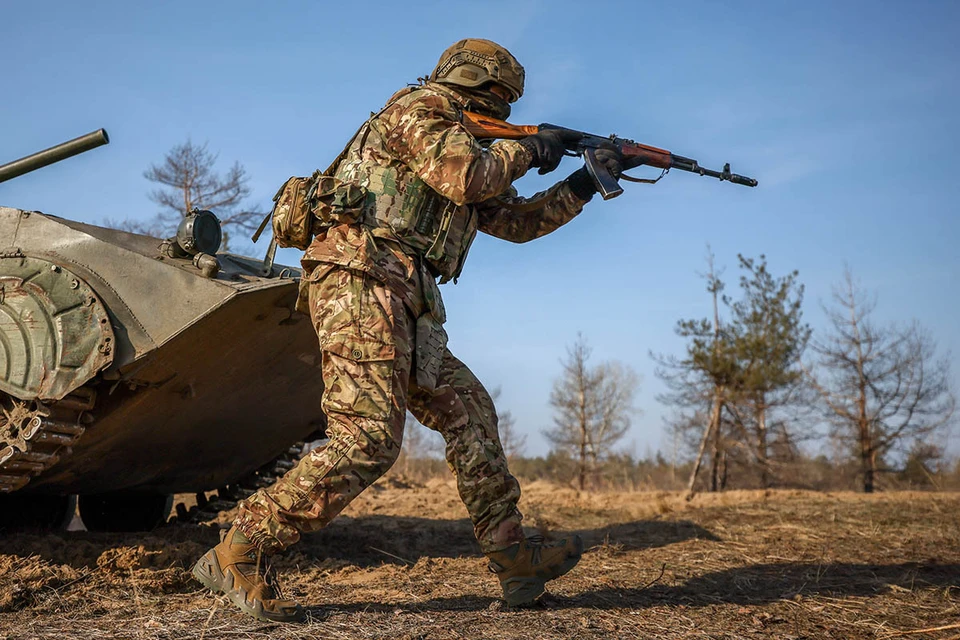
{"x": 408, "y": 195}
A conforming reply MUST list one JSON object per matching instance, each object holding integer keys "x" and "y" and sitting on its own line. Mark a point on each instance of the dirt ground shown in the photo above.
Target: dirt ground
{"x": 402, "y": 564}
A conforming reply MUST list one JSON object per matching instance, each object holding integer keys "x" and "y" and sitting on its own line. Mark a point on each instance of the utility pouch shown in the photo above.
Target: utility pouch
{"x": 431, "y": 345}
{"x": 431, "y": 339}
{"x": 301, "y": 203}
{"x": 432, "y": 301}
{"x": 437, "y": 250}
{"x": 338, "y": 202}
{"x": 291, "y": 216}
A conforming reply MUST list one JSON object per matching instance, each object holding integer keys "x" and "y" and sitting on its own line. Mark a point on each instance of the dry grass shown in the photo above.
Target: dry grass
{"x": 403, "y": 564}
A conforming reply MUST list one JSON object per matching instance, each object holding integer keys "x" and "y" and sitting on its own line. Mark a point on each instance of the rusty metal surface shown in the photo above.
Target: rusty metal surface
{"x": 55, "y": 334}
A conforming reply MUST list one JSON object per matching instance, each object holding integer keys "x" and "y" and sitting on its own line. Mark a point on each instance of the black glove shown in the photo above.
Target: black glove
{"x": 611, "y": 159}
{"x": 580, "y": 181}
{"x": 547, "y": 148}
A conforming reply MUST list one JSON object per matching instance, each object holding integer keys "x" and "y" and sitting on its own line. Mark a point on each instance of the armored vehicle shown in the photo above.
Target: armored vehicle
{"x": 133, "y": 368}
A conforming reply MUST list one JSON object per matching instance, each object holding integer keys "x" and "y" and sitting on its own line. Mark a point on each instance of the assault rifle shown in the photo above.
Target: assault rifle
{"x": 586, "y": 145}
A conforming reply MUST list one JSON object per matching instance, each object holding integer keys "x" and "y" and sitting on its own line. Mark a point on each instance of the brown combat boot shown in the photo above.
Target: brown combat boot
{"x": 525, "y": 567}
{"x": 235, "y": 568}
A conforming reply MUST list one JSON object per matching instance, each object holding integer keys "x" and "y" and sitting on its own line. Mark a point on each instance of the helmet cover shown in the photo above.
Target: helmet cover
{"x": 474, "y": 62}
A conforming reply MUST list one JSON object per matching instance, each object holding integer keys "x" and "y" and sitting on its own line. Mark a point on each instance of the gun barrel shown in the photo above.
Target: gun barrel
{"x": 53, "y": 154}
{"x": 691, "y": 165}
{"x": 726, "y": 175}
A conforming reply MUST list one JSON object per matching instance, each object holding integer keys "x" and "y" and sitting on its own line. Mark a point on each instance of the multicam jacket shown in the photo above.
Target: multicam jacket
{"x": 429, "y": 187}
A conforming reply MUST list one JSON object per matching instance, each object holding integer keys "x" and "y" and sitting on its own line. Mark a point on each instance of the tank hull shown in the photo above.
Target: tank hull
{"x": 210, "y": 377}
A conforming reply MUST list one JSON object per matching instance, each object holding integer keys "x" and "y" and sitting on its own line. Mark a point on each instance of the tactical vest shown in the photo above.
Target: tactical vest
{"x": 399, "y": 206}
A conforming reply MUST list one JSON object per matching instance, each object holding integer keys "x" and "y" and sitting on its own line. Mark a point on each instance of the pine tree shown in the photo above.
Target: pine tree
{"x": 768, "y": 337}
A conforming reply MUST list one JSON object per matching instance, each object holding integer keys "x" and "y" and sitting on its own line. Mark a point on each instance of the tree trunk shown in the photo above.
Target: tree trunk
{"x": 583, "y": 427}
{"x": 696, "y": 463}
{"x": 762, "y": 447}
{"x": 867, "y": 455}
{"x": 583, "y": 465}
{"x": 715, "y": 469}
{"x": 869, "y": 458}
{"x": 712, "y": 424}
{"x": 723, "y": 471}
{"x": 715, "y": 462}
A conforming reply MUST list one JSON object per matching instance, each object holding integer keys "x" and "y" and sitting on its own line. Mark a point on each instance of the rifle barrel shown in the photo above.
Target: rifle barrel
{"x": 691, "y": 165}
{"x": 53, "y": 154}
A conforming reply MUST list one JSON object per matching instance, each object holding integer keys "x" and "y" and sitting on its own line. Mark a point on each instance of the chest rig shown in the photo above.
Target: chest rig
{"x": 399, "y": 206}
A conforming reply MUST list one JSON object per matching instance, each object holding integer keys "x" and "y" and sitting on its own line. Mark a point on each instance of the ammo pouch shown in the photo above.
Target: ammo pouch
{"x": 405, "y": 204}
{"x": 417, "y": 216}
{"x": 301, "y": 203}
{"x": 336, "y": 201}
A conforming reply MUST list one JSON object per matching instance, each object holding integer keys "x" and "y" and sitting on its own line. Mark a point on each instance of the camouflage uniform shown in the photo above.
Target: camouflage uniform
{"x": 372, "y": 294}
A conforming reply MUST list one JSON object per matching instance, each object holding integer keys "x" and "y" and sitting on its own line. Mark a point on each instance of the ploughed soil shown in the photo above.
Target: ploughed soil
{"x": 402, "y": 563}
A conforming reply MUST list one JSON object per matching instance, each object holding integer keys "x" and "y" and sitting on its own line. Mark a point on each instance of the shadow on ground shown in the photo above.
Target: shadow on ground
{"x": 764, "y": 583}
{"x": 364, "y": 541}
{"x": 646, "y": 534}
{"x": 750, "y": 585}
{"x": 369, "y": 540}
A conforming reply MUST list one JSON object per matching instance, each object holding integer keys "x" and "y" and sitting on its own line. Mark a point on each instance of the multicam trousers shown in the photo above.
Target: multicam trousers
{"x": 367, "y": 338}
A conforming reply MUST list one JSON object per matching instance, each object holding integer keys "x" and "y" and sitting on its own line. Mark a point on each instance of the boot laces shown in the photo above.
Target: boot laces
{"x": 268, "y": 575}
{"x": 272, "y": 581}
{"x": 535, "y": 542}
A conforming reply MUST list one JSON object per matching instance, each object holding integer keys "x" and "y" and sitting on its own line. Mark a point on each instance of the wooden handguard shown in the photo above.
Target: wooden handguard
{"x": 486, "y": 127}
{"x": 650, "y": 156}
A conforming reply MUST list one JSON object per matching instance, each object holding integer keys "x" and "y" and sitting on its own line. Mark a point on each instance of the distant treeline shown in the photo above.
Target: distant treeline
{"x": 625, "y": 473}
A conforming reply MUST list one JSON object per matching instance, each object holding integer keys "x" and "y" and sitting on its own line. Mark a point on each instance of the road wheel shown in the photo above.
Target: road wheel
{"x": 124, "y": 511}
{"x": 36, "y": 511}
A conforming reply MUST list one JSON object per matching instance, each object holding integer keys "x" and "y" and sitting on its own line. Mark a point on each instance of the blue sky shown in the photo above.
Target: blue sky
{"x": 846, "y": 112}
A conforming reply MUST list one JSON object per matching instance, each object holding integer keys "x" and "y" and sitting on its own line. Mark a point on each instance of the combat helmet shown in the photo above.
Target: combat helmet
{"x": 474, "y": 62}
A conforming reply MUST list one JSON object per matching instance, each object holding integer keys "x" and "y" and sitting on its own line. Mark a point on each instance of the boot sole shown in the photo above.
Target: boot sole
{"x": 520, "y": 592}
{"x": 208, "y": 572}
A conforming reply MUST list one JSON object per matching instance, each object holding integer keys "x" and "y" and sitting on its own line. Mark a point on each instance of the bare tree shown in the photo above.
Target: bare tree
{"x": 188, "y": 180}
{"x": 592, "y": 408}
{"x": 512, "y": 441}
{"x": 882, "y": 388}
